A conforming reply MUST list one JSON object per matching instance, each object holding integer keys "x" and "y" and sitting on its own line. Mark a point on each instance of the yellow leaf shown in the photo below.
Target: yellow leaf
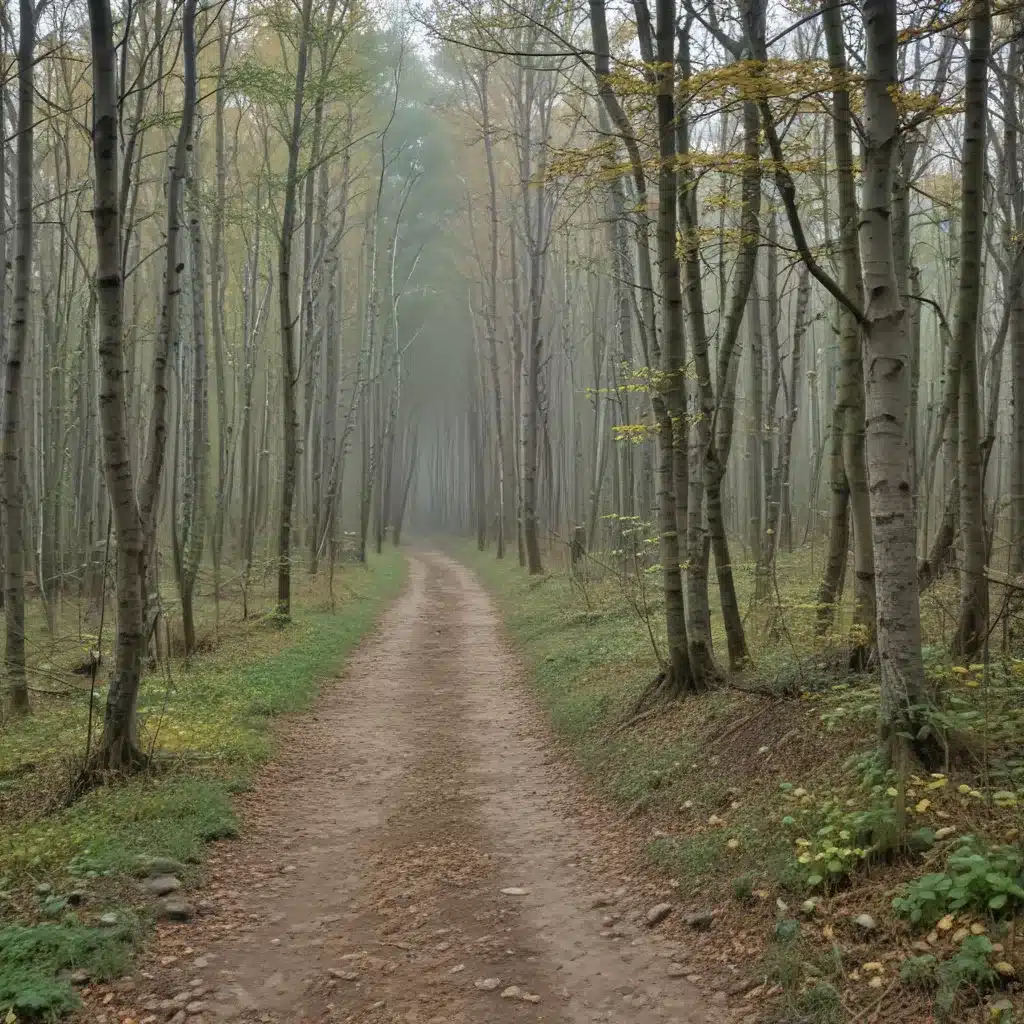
{"x": 922, "y": 805}
{"x": 938, "y": 783}
{"x": 963, "y": 789}
{"x": 892, "y": 791}
{"x": 977, "y": 928}
{"x": 946, "y": 923}
{"x": 874, "y": 965}
{"x": 10, "y": 1018}
{"x": 1004, "y": 968}
{"x": 828, "y": 931}
{"x": 875, "y": 982}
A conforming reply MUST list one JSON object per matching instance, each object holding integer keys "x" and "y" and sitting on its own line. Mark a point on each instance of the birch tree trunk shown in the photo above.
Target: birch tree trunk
{"x": 887, "y": 395}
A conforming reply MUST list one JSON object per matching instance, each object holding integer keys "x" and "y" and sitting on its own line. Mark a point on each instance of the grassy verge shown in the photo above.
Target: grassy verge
{"x": 766, "y": 801}
{"x": 66, "y": 902}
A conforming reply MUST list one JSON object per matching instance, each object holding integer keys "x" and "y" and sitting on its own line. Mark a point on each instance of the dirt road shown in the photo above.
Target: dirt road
{"x": 415, "y": 856}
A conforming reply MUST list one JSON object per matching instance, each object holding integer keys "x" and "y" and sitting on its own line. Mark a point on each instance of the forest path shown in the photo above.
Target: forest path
{"x": 368, "y": 882}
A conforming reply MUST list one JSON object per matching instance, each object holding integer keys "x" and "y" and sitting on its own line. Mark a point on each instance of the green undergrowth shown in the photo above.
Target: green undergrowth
{"x": 766, "y": 797}
{"x": 36, "y": 959}
{"x": 66, "y": 901}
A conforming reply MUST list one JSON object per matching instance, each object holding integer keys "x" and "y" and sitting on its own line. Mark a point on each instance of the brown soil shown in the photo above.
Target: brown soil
{"x": 367, "y": 883}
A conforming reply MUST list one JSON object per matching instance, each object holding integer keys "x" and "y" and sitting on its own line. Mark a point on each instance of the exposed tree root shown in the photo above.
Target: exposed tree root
{"x": 661, "y": 690}
{"x": 657, "y": 691}
{"x": 106, "y": 766}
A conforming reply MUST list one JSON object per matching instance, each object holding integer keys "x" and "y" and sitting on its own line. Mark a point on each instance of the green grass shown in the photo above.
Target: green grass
{"x": 210, "y": 725}
{"x": 36, "y": 962}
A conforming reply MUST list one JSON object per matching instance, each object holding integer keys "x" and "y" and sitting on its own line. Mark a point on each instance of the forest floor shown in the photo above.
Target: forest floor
{"x": 72, "y": 908}
{"x": 464, "y": 829}
{"x": 843, "y": 892}
{"x": 419, "y": 853}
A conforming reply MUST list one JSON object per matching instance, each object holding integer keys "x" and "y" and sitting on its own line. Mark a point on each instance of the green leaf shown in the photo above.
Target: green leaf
{"x": 835, "y": 866}
{"x": 997, "y": 901}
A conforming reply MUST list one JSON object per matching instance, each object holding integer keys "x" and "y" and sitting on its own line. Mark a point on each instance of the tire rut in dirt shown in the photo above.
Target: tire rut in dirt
{"x": 436, "y": 878}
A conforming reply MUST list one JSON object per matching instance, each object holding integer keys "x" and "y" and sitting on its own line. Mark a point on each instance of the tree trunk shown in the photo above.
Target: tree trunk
{"x": 491, "y": 319}
{"x": 289, "y": 376}
{"x": 849, "y": 495}
{"x": 1015, "y": 248}
{"x": 755, "y": 448}
{"x": 194, "y": 512}
{"x": 17, "y": 354}
{"x": 973, "y": 624}
{"x": 887, "y": 379}
{"x": 716, "y": 411}
{"x": 682, "y": 674}
{"x": 783, "y": 458}
{"x": 119, "y": 748}
{"x": 218, "y": 280}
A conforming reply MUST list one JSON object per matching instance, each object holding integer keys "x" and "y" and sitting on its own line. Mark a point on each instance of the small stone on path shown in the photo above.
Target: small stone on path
{"x": 334, "y": 972}
{"x": 159, "y": 866}
{"x": 487, "y": 984}
{"x": 515, "y": 992}
{"x": 514, "y": 890}
{"x": 865, "y": 921}
{"x": 658, "y": 913}
{"x": 677, "y": 970}
{"x": 702, "y": 920}
{"x": 175, "y": 910}
{"x": 161, "y": 885}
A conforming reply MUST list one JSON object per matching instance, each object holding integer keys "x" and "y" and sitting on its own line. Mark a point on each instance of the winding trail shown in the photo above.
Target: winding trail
{"x": 367, "y": 885}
